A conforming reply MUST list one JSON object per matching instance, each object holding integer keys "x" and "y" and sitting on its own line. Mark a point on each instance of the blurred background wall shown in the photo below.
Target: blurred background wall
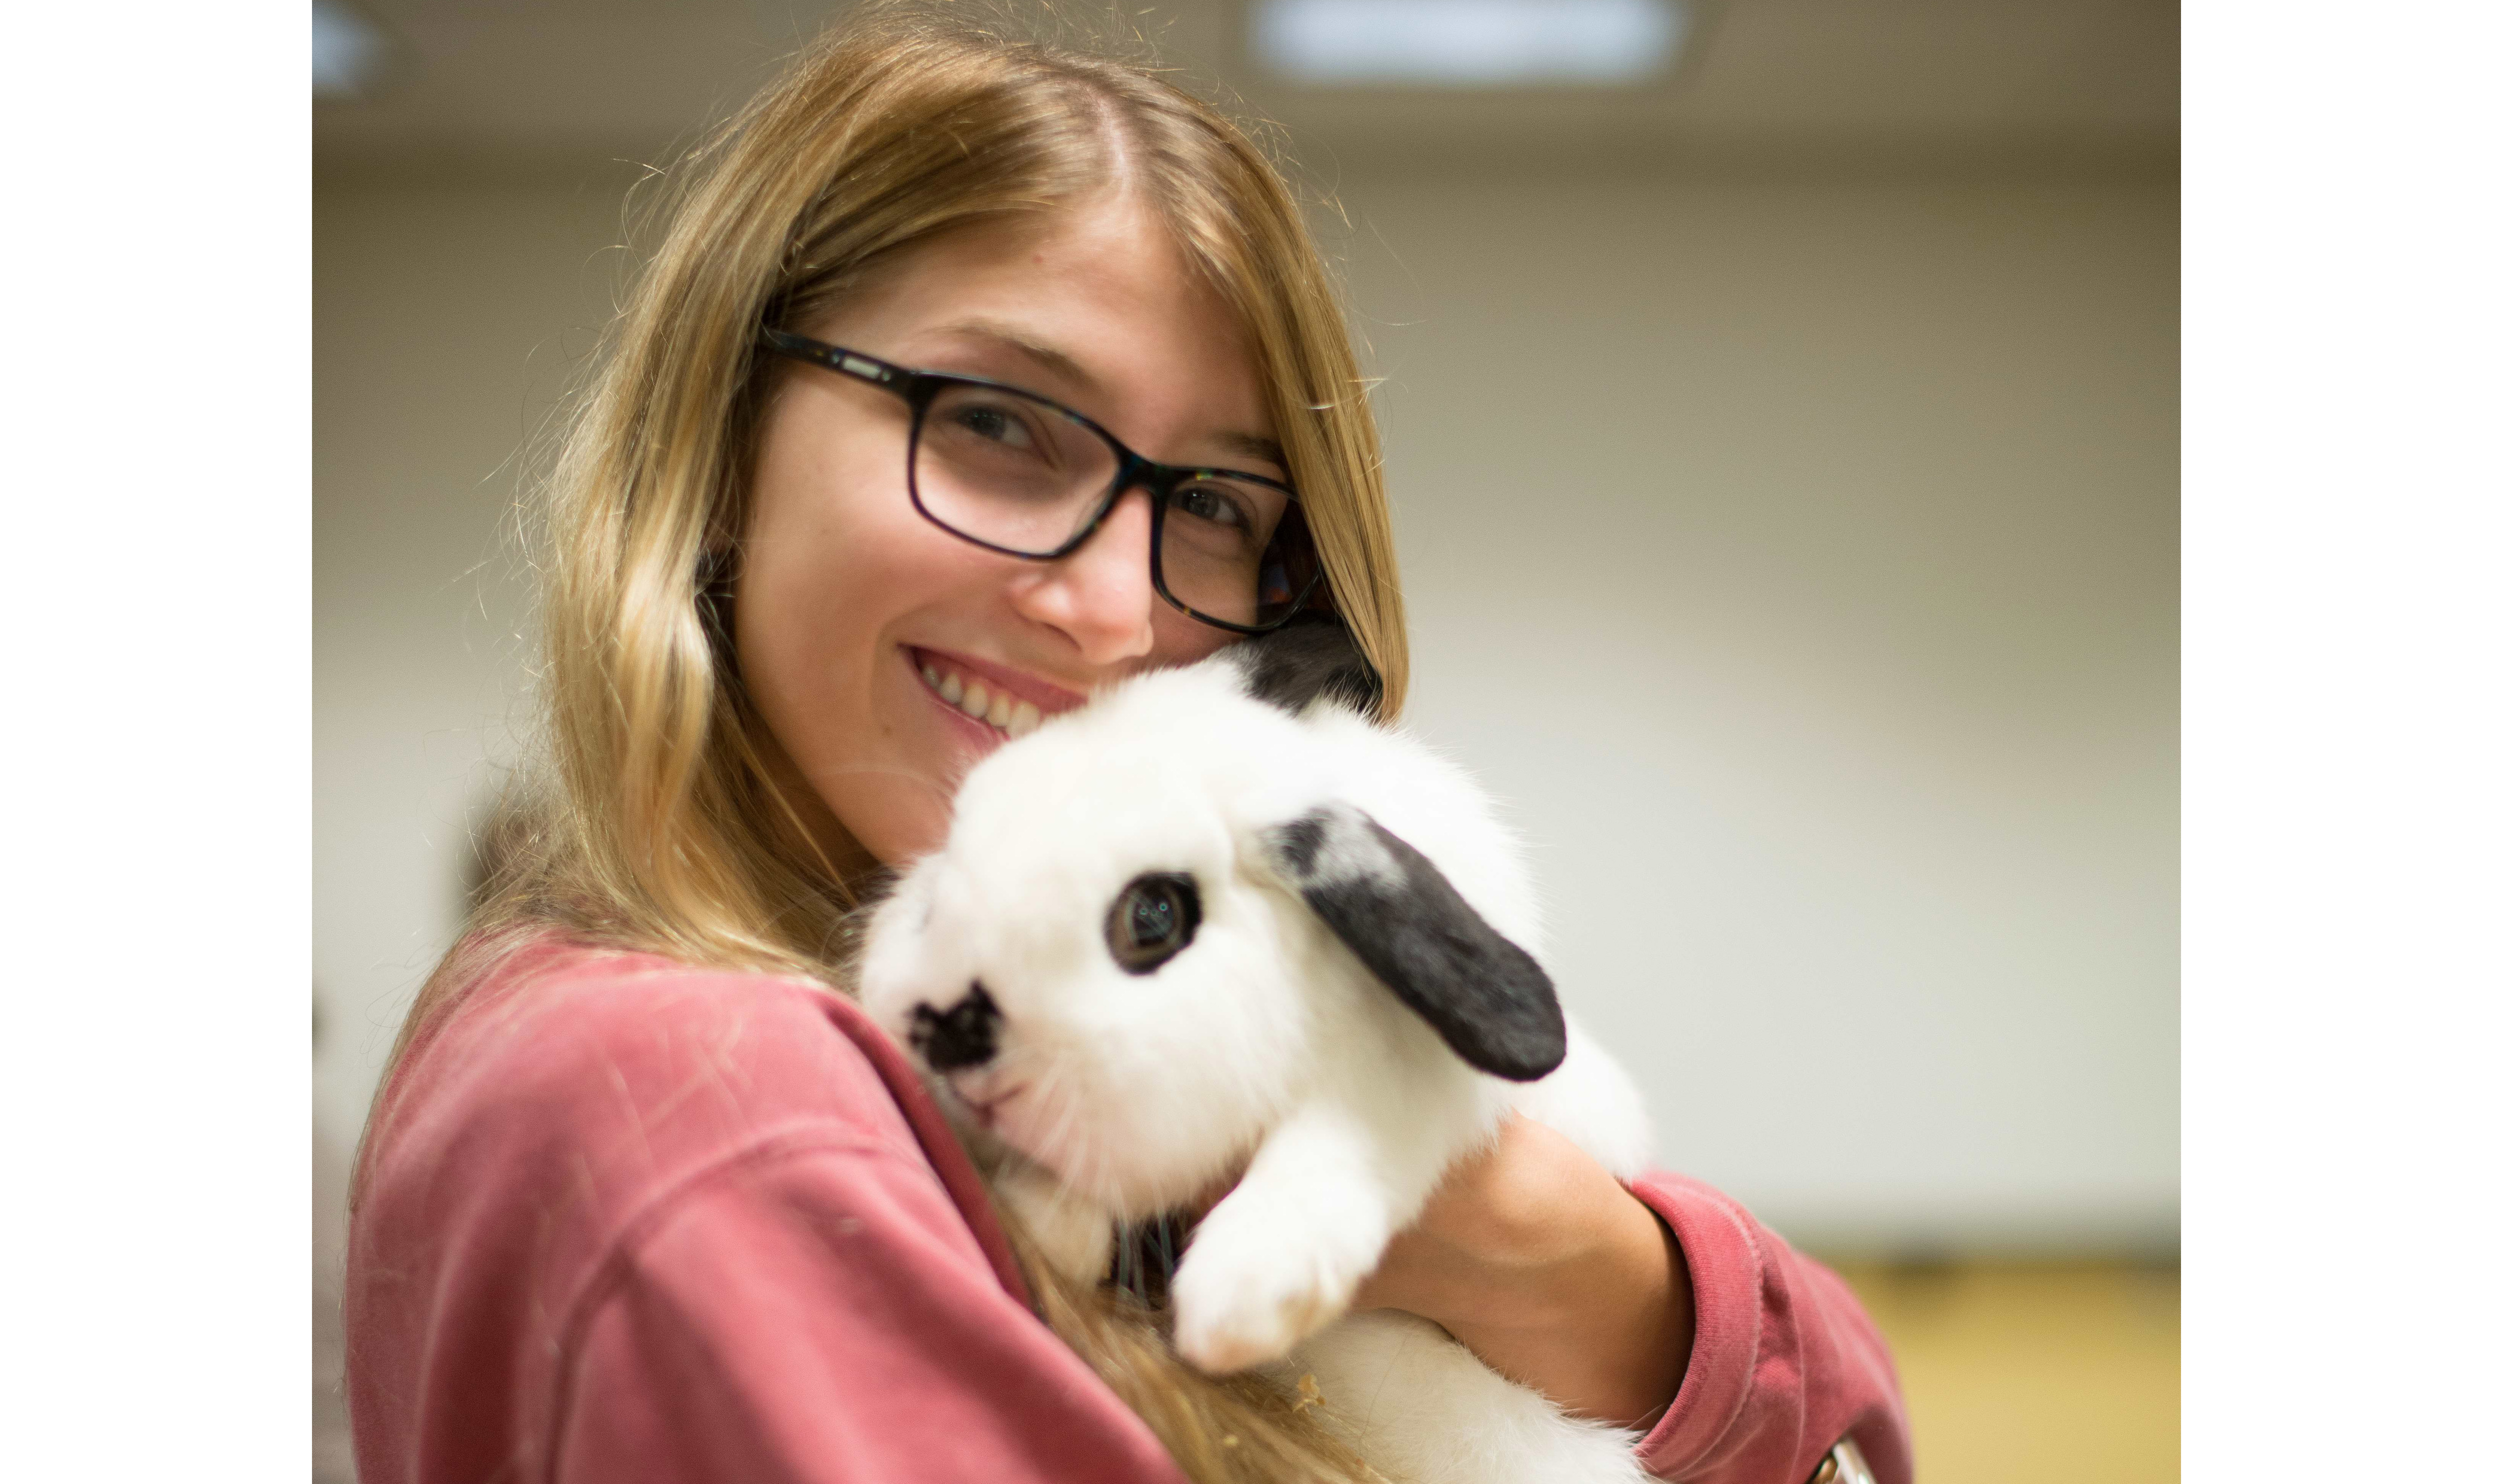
{"x": 1784, "y": 454}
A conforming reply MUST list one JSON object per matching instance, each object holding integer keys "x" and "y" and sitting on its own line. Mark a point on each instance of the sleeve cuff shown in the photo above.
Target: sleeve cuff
{"x": 1726, "y": 1276}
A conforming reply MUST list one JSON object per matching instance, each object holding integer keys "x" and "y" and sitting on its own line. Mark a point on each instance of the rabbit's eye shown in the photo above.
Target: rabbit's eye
{"x": 1153, "y": 918}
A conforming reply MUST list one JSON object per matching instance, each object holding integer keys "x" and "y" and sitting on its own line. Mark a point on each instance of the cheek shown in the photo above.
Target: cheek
{"x": 822, "y": 581}
{"x": 1179, "y": 640}
{"x": 809, "y": 570}
{"x": 835, "y": 561}
{"x": 1176, "y": 1072}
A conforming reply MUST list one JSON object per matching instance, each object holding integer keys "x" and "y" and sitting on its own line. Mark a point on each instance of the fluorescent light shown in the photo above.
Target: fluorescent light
{"x": 1467, "y": 43}
{"x": 346, "y": 52}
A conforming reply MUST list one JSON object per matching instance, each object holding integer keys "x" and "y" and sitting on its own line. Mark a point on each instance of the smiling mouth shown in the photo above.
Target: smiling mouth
{"x": 976, "y": 696}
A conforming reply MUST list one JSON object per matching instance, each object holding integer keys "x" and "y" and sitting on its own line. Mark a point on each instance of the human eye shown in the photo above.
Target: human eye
{"x": 1214, "y": 503}
{"x": 994, "y": 420}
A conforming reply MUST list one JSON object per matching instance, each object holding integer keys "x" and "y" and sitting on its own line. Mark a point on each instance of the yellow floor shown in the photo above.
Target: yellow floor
{"x": 2035, "y": 1372}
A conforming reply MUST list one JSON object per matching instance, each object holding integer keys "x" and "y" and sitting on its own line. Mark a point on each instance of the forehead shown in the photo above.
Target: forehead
{"x": 1093, "y": 305}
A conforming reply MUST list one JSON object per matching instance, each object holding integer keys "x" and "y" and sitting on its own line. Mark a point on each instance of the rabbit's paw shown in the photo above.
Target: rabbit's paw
{"x": 1249, "y": 1290}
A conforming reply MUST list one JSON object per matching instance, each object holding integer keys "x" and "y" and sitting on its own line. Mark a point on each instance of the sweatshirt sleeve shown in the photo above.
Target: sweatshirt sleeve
{"x": 1785, "y": 1363}
{"x": 806, "y": 1311}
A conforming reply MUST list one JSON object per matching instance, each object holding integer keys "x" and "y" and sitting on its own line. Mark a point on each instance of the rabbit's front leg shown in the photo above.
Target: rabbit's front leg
{"x": 1280, "y": 1257}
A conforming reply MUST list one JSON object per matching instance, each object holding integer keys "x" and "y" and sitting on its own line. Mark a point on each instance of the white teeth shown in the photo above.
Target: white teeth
{"x": 1007, "y": 714}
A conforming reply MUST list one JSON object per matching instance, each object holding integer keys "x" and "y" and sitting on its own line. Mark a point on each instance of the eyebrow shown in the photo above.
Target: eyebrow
{"x": 1254, "y": 446}
{"x": 1246, "y": 445}
{"x": 1046, "y": 355}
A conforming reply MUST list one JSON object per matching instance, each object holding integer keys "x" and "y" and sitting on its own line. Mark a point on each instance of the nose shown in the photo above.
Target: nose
{"x": 1101, "y": 597}
{"x": 962, "y": 1036}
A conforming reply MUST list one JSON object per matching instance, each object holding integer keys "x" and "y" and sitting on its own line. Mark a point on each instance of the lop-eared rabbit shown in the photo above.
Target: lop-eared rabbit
{"x": 1218, "y": 919}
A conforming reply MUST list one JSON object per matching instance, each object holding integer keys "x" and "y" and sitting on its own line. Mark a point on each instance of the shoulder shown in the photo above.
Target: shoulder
{"x": 572, "y": 1090}
{"x": 558, "y": 1043}
{"x": 576, "y": 1117}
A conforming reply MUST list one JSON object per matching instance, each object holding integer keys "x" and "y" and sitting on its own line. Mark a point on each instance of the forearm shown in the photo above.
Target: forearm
{"x": 1544, "y": 1266}
{"x": 1618, "y": 1329}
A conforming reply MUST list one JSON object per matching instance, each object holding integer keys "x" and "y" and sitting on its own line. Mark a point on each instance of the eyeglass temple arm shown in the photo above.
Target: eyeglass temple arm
{"x": 833, "y": 358}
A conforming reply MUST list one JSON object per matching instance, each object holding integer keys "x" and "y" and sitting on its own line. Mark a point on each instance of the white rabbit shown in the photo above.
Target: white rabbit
{"x": 1217, "y": 918}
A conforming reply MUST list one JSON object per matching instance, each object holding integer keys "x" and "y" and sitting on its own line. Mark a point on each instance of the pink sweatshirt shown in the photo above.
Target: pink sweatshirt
{"x": 624, "y": 1220}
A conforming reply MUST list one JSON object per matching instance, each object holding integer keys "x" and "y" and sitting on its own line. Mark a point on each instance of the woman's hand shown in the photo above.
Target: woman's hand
{"x": 1544, "y": 1265}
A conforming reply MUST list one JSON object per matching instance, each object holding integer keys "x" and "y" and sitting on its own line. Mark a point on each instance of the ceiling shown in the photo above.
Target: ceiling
{"x": 1767, "y": 84}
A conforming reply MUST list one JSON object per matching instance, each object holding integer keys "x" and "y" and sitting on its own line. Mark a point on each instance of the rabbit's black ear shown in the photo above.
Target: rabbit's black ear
{"x": 1311, "y": 659}
{"x": 1406, "y": 922}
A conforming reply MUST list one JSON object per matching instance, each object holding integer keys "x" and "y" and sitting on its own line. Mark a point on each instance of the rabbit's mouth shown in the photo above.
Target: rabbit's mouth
{"x": 985, "y": 1110}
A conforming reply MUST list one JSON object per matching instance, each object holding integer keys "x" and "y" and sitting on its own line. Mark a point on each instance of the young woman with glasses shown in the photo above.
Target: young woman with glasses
{"x": 971, "y": 375}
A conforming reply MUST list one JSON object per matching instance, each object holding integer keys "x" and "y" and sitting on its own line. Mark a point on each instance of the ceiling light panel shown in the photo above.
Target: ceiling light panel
{"x": 347, "y": 52}
{"x": 1476, "y": 44}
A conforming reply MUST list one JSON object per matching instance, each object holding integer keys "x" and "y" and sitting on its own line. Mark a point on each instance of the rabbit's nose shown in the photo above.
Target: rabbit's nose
{"x": 962, "y": 1036}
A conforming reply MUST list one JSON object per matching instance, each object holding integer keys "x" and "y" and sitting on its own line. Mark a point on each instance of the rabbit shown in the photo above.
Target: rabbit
{"x": 1217, "y": 919}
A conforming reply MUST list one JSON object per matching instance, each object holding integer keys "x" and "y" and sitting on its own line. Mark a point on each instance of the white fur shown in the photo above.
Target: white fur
{"x": 1264, "y": 1043}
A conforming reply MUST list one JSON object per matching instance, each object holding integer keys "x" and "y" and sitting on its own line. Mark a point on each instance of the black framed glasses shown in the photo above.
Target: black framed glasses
{"x": 1015, "y": 473}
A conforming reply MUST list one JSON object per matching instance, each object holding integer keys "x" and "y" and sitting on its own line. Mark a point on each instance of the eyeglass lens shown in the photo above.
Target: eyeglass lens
{"x": 1016, "y": 472}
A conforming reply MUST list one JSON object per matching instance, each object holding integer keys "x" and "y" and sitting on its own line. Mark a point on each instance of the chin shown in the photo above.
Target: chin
{"x": 912, "y": 833}
{"x": 895, "y": 814}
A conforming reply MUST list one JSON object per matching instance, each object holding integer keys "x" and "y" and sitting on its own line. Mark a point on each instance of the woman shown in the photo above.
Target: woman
{"x": 643, "y": 1197}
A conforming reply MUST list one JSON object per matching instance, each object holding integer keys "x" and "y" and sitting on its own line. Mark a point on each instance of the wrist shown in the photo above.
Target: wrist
{"x": 1608, "y": 1331}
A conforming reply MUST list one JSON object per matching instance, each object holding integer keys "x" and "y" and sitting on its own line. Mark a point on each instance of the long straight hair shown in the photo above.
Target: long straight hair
{"x": 656, "y": 822}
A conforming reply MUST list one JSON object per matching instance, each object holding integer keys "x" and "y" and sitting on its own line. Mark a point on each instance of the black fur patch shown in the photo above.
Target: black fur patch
{"x": 962, "y": 1036}
{"x": 1310, "y": 659}
{"x": 1297, "y": 844}
{"x": 1489, "y": 1000}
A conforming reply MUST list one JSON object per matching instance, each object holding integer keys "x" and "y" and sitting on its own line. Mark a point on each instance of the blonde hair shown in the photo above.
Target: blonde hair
{"x": 659, "y": 825}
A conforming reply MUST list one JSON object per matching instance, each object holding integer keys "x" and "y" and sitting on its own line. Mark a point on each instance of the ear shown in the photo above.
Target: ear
{"x": 1406, "y": 922}
{"x": 1309, "y": 659}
